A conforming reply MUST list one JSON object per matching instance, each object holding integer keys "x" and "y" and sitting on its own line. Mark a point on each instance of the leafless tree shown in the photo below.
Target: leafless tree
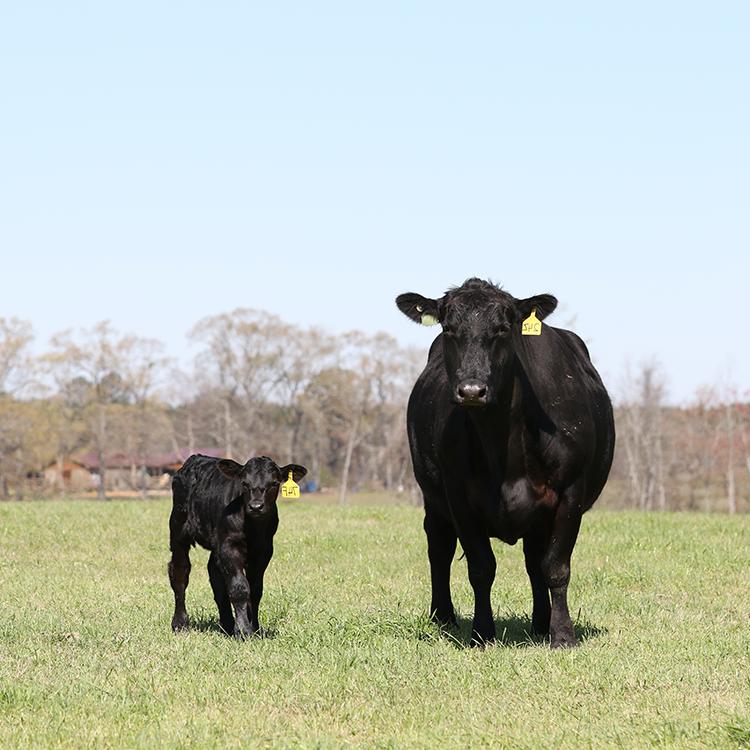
{"x": 642, "y": 435}
{"x": 15, "y": 337}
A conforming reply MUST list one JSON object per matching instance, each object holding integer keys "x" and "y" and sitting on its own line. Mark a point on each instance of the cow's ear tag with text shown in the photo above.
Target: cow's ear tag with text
{"x": 290, "y": 488}
{"x": 532, "y": 326}
{"x": 427, "y": 319}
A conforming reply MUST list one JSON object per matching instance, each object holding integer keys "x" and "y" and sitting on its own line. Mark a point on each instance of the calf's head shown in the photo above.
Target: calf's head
{"x": 259, "y": 480}
{"x": 480, "y": 324}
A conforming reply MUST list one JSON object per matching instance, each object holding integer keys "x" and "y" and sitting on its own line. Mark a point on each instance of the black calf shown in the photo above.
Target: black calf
{"x": 231, "y": 510}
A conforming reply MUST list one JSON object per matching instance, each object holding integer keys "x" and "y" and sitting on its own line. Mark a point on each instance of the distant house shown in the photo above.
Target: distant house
{"x": 69, "y": 475}
{"x": 123, "y": 471}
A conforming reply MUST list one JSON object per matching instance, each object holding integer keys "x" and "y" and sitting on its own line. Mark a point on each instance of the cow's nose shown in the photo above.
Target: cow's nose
{"x": 256, "y": 506}
{"x": 472, "y": 392}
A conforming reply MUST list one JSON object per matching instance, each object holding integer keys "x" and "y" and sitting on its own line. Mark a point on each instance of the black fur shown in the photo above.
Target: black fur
{"x": 229, "y": 509}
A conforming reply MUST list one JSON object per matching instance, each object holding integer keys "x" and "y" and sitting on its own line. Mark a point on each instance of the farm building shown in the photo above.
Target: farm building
{"x": 69, "y": 475}
{"x": 123, "y": 472}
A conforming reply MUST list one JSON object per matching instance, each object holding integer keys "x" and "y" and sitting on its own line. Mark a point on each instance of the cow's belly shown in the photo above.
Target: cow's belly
{"x": 516, "y": 509}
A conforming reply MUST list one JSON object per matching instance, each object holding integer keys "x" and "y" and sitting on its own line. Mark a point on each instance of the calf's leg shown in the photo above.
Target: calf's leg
{"x": 221, "y": 597}
{"x": 238, "y": 589}
{"x": 179, "y": 575}
{"x": 256, "y": 569}
{"x": 256, "y": 594}
{"x": 179, "y": 543}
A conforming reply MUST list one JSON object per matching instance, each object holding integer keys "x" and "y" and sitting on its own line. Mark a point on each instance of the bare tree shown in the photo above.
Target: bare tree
{"x": 241, "y": 361}
{"x": 15, "y": 337}
{"x": 142, "y": 363}
{"x": 91, "y": 358}
{"x": 642, "y": 435}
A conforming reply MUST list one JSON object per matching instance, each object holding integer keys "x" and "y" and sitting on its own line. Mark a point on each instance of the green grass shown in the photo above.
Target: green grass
{"x": 349, "y": 658}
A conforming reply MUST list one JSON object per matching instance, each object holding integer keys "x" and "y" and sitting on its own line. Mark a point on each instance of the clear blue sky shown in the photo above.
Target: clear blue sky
{"x": 160, "y": 162}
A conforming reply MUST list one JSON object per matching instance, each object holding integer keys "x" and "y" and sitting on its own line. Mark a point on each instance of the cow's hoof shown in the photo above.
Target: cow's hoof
{"x": 444, "y": 618}
{"x": 479, "y": 640}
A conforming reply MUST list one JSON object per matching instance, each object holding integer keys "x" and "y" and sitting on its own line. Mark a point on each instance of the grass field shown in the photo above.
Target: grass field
{"x": 348, "y": 658}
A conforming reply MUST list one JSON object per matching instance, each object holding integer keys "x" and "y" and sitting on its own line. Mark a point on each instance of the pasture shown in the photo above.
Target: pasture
{"x": 661, "y": 603}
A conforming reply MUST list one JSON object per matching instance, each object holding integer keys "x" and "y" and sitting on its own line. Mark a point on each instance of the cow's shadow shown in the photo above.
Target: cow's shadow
{"x": 513, "y": 630}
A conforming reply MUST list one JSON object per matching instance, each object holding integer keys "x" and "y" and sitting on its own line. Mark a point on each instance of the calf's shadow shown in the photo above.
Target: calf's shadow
{"x": 205, "y": 623}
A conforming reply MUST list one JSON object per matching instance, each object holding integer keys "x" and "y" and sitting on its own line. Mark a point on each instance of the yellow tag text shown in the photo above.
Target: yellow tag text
{"x": 290, "y": 488}
{"x": 532, "y": 326}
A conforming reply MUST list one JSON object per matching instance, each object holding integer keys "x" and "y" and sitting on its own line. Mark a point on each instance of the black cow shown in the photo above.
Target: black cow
{"x": 229, "y": 509}
{"x": 511, "y": 437}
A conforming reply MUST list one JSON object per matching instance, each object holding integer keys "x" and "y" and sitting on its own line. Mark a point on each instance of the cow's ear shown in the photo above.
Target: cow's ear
{"x": 420, "y": 309}
{"x": 230, "y": 468}
{"x": 544, "y": 304}
{"x": 297, "y": 471}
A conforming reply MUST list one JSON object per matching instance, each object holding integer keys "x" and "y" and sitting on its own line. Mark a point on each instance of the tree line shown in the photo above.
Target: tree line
{"x": 335, "y": 403}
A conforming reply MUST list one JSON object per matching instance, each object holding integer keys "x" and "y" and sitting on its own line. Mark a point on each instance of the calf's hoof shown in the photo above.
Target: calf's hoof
{"x": 179, "y": 623}
{"x": 243, "y": 632}
{"x": 566, "y": 639}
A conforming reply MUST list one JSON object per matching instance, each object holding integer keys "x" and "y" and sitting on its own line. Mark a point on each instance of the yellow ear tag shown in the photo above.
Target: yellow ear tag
{"x": 427, "y": 319}
{"x": 290, "y": 488}
{"x": 532, "y": 326}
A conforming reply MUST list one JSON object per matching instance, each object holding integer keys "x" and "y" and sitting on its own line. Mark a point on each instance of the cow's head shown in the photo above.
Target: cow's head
{"x": 260, "y": 479}
{"x": 481, "y": 327}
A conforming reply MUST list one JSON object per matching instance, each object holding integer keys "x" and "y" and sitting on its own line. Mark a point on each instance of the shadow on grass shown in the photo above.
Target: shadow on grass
{"x": 515, "y": 631}
{"x": 204, "y": 623}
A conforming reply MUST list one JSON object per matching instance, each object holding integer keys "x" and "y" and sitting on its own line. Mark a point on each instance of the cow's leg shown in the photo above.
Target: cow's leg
{"x": 179, "y": 574}
{"x": 221, "y": 597}
{"x": 534, "y": 547}
{"x": 441, "y": 547}
{"x": 238, "y": 589}
{"x": 481, "y": 564}
{"x": 556, "y": 569}
{"x": 255, "y": 571}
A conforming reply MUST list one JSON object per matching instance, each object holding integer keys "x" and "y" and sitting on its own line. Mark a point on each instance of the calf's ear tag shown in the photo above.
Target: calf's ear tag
{"x": 532, "y": 326}
{"x": 290, "y": 488}
{"x": 427, "y": 319}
